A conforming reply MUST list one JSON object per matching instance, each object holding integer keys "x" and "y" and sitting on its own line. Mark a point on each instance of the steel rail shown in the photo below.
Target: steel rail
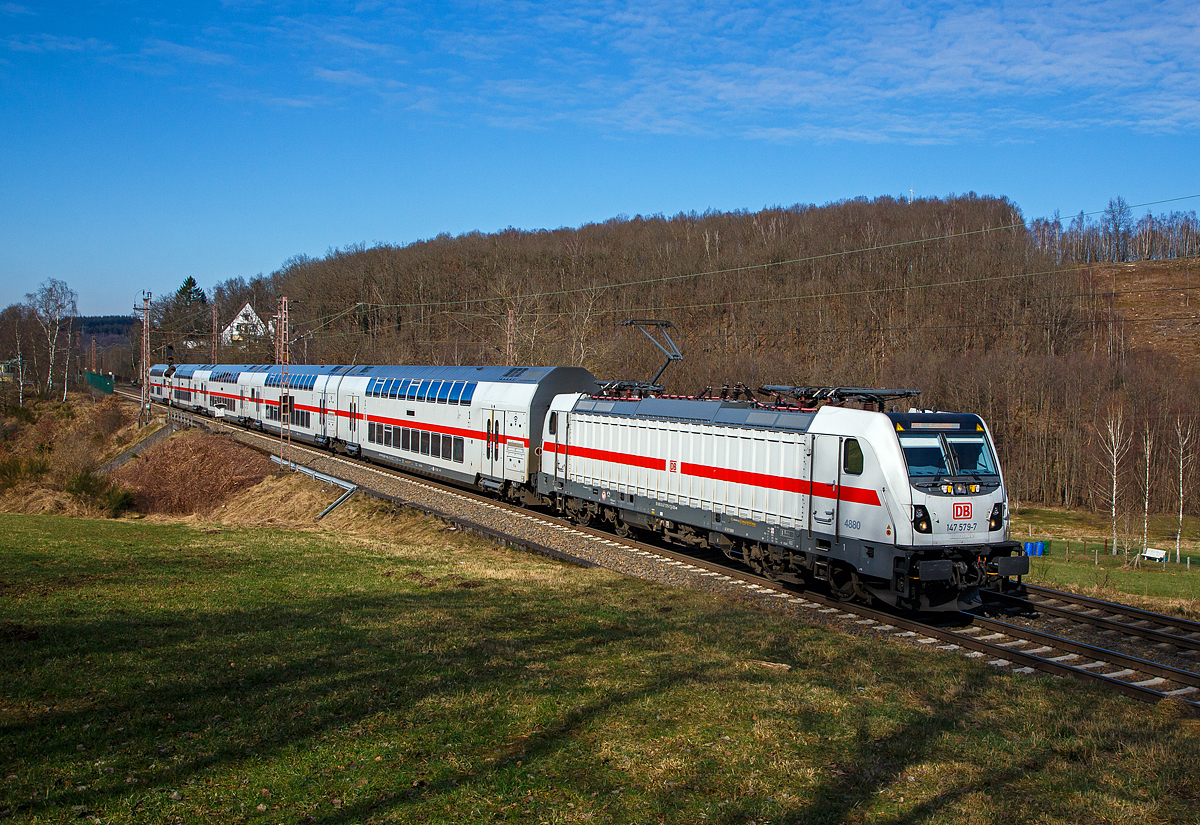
{"x": 1183, "y": 677}
{"x": 1113, "y": 607}
{"x": 1099, "y": 621}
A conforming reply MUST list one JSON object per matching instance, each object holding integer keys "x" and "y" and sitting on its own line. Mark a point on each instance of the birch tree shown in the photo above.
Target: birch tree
{"x": 1114, "y": 444}
{"x": 54, "y": 304}
{"x": 1147, "y": 451}
{"x": 1183, "y": 452}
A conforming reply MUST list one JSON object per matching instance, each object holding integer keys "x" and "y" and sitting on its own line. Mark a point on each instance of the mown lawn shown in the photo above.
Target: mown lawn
{"x": 172, "y": 673}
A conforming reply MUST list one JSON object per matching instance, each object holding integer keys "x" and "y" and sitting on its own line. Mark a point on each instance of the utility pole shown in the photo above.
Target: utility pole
{"x": 144, "y": 413}
{"x": 214, "y": 333}
{"x": 93, "y": 353}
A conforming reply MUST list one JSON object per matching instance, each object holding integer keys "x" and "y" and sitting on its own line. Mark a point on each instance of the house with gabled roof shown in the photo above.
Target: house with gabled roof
{"x": 246, "y": 327}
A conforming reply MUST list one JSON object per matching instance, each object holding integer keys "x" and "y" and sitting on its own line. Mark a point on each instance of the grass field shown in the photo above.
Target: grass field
{"x": 1079, "y": 559}
{"x": 192, "y": 673}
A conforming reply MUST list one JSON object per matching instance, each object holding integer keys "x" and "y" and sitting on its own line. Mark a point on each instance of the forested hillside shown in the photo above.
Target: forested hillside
{"x": 1043, "y": 328}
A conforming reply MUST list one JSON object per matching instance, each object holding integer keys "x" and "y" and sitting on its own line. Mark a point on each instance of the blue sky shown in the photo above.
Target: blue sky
{"x": 141, "y": 144}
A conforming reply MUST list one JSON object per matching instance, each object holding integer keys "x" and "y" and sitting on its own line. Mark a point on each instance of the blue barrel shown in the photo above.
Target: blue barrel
{"x": 1029, "y": 548}
{"x": 1040, "y": 549}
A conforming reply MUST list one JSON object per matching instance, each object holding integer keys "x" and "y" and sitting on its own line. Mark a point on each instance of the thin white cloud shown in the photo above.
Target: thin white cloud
{"x": 187, "y": 54}
{"x": 346, "y": 77}
{"x": 912, "y": 71}
{"x": 42, "y": 43}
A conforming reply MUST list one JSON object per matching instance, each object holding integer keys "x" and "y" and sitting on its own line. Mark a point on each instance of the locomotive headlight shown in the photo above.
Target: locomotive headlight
{"x": 921, "y": 522}
{"x": 996, "y": 520}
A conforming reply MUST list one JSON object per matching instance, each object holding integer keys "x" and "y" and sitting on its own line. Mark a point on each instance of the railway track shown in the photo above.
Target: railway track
{"x": 1000, "y": 644}
{"x": 1157, "y": 628}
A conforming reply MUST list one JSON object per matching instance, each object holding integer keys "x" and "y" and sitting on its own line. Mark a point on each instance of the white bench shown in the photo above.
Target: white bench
{"x": 1154, "y": 555}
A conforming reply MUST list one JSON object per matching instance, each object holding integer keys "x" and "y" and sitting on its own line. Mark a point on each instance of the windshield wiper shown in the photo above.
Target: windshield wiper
{"x": 951, "y": 458}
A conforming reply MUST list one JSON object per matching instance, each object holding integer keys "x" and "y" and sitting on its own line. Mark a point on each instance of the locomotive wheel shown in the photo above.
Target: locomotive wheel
{"x": 756, "y": 558}
{"x": 843, "y": 583}
{"x": 622, "y": 528}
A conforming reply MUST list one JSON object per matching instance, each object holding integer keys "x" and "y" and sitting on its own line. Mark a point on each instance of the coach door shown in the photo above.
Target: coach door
{"x": 352, "y": 425}
{"x": 321, "y": 410}
{"x": 241, "y": 409}
{"x": 493, "y": 455}
{"x": 825, "y": 480}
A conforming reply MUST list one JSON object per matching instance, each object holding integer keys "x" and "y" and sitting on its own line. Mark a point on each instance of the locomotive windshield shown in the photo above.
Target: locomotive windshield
{"x": 946, "y": 454}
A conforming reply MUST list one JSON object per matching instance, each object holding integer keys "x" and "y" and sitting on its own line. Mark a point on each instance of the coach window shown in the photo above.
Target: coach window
{"x": 424, "y": 442}
{"x": 467, "y": 394}
{"x": 458, "y": 449}
{"x": 447, "y": 443}
{"x": 444, "y": 393}
{"x": 402, "y": 389}
{"x": 852, "y": 457}
{"x": 456, "y": 391}
{"x": 435, "y": 446}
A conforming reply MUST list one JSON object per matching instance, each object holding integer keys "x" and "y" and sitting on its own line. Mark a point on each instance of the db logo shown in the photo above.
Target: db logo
{"x": 674, "y": 467}
{"x": 962, "y": 510}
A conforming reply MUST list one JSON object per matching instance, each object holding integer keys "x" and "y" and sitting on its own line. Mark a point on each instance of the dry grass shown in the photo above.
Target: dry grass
{"x": 192, "y": 473}
{"x": 286, "y": 499}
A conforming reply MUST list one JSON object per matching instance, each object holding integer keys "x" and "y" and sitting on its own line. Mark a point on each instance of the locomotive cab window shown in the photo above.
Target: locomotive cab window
{"x": 972, "y": 454}
{"x": 925, "y": 455}
{"x": 554, "y": 423}
{"x": 852, "y": 457}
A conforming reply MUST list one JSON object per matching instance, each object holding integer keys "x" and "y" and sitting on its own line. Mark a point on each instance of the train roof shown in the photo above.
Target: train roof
{"x": 507, "y": 375}
{"x": 696, "y": 411}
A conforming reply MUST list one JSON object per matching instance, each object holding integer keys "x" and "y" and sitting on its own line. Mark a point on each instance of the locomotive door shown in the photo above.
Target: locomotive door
{"x": 825, "y": 481}
{"x": 493, "y": 456}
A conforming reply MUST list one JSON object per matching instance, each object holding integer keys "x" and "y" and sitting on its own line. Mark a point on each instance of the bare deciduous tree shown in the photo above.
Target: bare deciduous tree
{"x": 1184, "y": 437}
{"x": 1114, "y": 444}
{"x": 54, "y": 304}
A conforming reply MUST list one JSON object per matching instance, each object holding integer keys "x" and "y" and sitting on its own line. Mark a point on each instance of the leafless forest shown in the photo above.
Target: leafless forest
{"x": 959, "y": 297}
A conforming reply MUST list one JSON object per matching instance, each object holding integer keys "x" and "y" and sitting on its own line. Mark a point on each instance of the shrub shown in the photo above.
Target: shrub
{"x": 87, "y": 485}
{"x": 13, "y": 470}
{"x": 23, "y": 414}
{"x": 108, "y": 416}
{"x": 120, "y": 499}
{"x": 10, "y": 472}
